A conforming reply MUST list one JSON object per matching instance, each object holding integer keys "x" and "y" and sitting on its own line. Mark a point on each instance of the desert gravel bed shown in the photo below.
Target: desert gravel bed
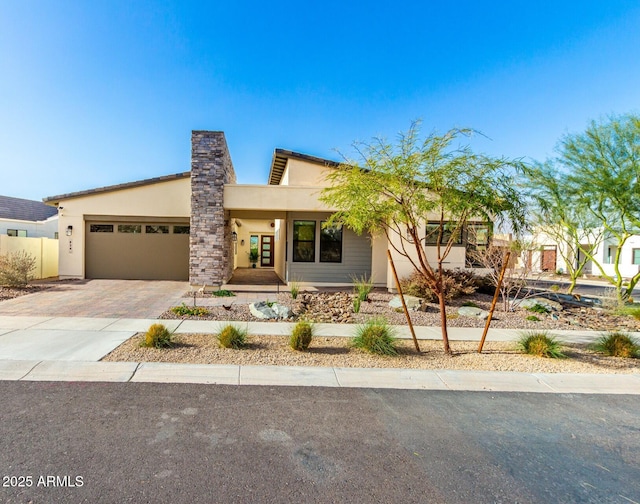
{"x": 335, "y": 352}
{"x": 337, "y": 307}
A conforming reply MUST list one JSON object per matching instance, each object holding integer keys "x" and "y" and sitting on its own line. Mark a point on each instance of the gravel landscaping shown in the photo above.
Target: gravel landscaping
{"x": 335, "y": 352}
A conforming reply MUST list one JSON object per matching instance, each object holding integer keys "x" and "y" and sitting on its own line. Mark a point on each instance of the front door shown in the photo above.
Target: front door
{"x": 266, "y": 251}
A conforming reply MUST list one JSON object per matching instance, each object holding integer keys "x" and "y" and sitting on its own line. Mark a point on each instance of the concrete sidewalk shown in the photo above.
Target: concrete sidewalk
{"x": 69, "y": 349}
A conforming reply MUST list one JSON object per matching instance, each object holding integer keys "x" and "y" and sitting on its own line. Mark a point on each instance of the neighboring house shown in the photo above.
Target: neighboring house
{"x": 27, "y": 218}
{"x": 549, "y": 256}
{"x": 201, "y": 225}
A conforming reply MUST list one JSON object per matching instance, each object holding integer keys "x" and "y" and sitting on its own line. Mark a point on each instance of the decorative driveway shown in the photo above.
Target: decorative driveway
{"x": 99, "y": 298}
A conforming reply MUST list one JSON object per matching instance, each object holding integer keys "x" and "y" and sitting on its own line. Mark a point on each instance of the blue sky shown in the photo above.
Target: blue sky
{"x": 94, "y": 93}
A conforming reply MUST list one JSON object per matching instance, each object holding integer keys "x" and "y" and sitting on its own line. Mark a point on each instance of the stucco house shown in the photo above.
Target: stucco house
{"x": 550, "y": 254}
{"x": 27, "y": 218}
{"x": 201, "y": 225}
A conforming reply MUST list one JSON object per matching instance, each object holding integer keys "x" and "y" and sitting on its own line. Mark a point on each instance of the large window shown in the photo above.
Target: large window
{"x": 304, "y": 241}
{"x": 636, "y": 256}
{"x": 331, "y": 244}
{"x": 17, "y": 232}
{"x": 433, "y": 229}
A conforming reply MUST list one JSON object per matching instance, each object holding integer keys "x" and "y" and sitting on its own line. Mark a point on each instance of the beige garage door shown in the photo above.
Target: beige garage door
{"x": 133, "y": 250}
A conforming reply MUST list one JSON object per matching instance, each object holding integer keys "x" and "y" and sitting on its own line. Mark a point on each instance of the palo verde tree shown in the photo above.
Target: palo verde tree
{"x": 603, "y": 172}
{"x": 396, "y": 189}
{"x": 573, "y": 227}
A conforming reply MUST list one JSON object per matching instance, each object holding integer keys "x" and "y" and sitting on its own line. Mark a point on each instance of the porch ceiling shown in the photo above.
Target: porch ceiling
{"x": 241, "y": 198}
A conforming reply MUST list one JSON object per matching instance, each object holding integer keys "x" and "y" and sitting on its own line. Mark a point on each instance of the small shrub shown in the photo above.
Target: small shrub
{"x": 184, "y": 310}
{"x": 457, "y": 283}
{"x": 301, "y": 336}
{"x": 537, "y": 308}
{"x": 363, "y": 287}
{"x": 376, "y": 336}
{"x": 231, "y": 336}
{"x": 617, "y": 344}
{"x": 356, "y": 305}
{"x": 157, "y": 336}
{"x": 632, "y": 310}
{"x": 223, "y": 293}
{"x": 16, "y": 269}
{"x": 533, "y": 318}
{"x": 471, "y": 304}
{"x": 295, "y": 290}
{"x": 554, "y": 288}
{"x": 541, "y": 344}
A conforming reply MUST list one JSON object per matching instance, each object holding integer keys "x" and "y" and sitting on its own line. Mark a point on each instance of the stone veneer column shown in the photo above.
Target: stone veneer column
{"x": 210, "y": 245}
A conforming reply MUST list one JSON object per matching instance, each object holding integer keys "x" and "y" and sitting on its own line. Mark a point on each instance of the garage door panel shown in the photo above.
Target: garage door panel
{"x": 156, "y": 255}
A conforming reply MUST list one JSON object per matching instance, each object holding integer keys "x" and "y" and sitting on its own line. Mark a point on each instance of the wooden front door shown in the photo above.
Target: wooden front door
{"x": 549, "y": 259}
{"x": 266, "y": 251}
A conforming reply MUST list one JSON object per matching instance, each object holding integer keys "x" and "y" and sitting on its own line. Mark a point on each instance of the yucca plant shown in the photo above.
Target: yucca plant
{"x": 375, "y": 336}
{"x": 617, "y": 344}
{"x": 541, "y": 344}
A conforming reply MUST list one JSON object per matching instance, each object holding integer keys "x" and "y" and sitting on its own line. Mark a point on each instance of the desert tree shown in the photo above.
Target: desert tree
{"x": 398, "y": 188}
{"x": 603, "y": 171}
{"x": 572, "y": 226}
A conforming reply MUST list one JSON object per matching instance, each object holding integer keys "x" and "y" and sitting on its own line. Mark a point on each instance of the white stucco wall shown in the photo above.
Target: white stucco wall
{"x": 35, "y": 229}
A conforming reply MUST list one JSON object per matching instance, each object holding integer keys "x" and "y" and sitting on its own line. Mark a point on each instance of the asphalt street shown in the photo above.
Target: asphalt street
{"x": 173, "y": 443}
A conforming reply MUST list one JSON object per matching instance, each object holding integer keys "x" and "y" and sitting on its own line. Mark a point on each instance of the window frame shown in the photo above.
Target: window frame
{"x": 323, "y": 231}
{"x": 633, "y": 256}
{"x": 445, "y": 236}
{"x": 296, "y": 257}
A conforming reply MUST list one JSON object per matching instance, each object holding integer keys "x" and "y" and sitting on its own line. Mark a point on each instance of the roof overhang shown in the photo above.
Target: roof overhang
{"x": 54, "y": 200}
{"x": 282, "y": 156}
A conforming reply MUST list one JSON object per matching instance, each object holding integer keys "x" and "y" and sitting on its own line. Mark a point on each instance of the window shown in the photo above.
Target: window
{"x": 156, "y": 229}
{"x": 101, "y": 228}
{"x": 635, "y": 256}
{"x": 331, "y": 244}
{"x": 433, "y": 229}
{"x": 130, "y": 228}
{"x": 478, "y": 236}
{"x": 181, "y": 229}
{"x": 17, "y": 232}
{"x": 611, "y": 255}
{"x": 304, "y": 241}
{"x": 55, "y": 235}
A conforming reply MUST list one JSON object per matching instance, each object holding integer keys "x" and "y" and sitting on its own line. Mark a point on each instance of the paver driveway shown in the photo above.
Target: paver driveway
{"x": 99, "y": 298}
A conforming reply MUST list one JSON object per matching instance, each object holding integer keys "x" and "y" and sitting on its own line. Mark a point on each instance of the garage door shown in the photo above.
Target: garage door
{"x": 137, "y": 250}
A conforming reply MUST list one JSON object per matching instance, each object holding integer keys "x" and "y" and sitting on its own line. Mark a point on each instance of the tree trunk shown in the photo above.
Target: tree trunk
{"x": 572, "y": 286}
{"x": 443, "y": 321}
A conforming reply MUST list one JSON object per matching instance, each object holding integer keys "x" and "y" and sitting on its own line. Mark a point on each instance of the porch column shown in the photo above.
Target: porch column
{"x": 210, "y": 245}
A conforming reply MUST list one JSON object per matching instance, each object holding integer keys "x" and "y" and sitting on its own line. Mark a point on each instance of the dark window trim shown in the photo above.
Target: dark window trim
{"x": 322, "y": 229}
{"x": 296, "y": 241}
{"x": 431, "y": 239}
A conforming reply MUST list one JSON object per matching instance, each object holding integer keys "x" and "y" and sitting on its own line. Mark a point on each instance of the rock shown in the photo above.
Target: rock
{"x": 412, "y": 302}
{"x": 262, "y": 310}
{"x": 472, "y": 311}
{"x": 282, "y": 312}
{"x": 547, "y": 303}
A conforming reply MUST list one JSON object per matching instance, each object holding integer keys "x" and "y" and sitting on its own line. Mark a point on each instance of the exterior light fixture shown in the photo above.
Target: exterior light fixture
{"x": 234, "y": 236}
{"x": 69, "y": 230}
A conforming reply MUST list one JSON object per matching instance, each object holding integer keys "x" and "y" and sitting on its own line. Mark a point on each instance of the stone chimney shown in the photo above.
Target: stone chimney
{"x": 210, "y": 244}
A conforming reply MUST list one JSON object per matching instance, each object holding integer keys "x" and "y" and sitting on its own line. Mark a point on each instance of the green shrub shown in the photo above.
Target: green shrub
{"x": 231, "y": 336}
{"x": 356, "y": 305}
{"x": 471, "y": 304}
{"x": 541, "y": 344}
{"x": 457, "y": 283}
{"x": 295, "y": 290}
{"x": 301, "y": 336}
{"x": 223, "y": 293}
{"x": 16, "y": 269}
{"x": 537, "y": 308}
{"x": 375, "y": 336}
{"x": 631, "y": 309}
{"x": 184, "y": 310}
{"x": 157, "y": 336}
{"x": 617, "y": 344}
{"x": 533, "y": 318}
{"x": 362, "y": 287}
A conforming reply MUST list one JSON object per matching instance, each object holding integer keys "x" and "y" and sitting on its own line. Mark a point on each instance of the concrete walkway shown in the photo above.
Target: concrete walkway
{"x": 69, "y": 349}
